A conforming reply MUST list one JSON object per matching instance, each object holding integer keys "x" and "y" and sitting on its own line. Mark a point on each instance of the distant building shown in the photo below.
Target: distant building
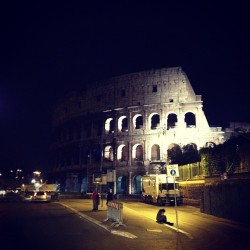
{"x": 122, "y": 127}
{"x": 236, "y": 128}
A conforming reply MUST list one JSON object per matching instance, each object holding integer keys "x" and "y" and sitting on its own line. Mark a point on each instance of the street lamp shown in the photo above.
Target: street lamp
{"x": 37, "y": 173}
{"x": 17, "y": 172}
{"x": 35, "y": 180}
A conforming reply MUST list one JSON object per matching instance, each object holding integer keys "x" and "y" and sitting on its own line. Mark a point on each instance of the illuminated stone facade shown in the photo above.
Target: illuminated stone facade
{"x": 124, "y": 126}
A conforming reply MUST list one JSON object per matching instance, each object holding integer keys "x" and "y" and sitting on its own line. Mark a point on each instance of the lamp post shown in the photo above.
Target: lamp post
{"x": 36, "y": 180}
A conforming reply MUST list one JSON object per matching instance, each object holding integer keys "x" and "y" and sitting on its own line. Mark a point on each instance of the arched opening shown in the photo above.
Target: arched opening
{"x": 155, "y": 153}
{"x": 84, "y": 185}
{"x": 154, "y": 121}
{"x": 210, "y": 144}
{"x": 122, "y": 153}
{"x": 190, "y": 120}
{"x": 137, "y": 152}
{"x": 121, "y": 185}
{"x": 138, "y": 121}
{"x": 109, "y": 125}
{"x": 123, "y": 124}
{"x": 108, "y": 153}
{"x": 171, "y": 121}
{"x": 137, "y": 185}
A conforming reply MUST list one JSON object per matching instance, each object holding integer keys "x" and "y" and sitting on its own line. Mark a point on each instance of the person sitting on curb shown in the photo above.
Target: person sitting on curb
{"x": 161, "y": 217}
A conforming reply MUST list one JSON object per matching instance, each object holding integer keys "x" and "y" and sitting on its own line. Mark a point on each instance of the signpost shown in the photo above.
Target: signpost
{"x": 173, "y": 171}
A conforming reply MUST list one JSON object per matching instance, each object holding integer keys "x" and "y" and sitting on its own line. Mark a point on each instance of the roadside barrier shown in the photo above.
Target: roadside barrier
{"x": 115, "y": 213}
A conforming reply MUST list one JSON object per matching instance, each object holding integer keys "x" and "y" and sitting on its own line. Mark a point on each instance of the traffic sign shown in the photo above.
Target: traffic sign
{"x": 173, "y": 170}
{"x": 97, "y": 177}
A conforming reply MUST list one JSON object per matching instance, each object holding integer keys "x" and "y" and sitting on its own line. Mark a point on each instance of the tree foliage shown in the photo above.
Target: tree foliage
{"x": 227, "y": 157}
{"x": 188, "y": 154}
{"x": 175, "y": 155}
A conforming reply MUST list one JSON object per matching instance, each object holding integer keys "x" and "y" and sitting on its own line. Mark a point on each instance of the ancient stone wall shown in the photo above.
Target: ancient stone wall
{"x": 124, "y": 124}
{"x": 227, "y": 199}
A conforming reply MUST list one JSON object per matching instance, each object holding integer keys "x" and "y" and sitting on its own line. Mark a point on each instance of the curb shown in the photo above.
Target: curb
{"x": 115, "y": 232}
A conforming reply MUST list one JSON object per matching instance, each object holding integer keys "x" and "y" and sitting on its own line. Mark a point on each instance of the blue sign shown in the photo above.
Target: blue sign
{"x": 172, "y": 172}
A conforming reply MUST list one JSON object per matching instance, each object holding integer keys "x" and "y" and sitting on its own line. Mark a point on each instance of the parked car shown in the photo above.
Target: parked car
{"x": 11, "y": 196}
{"x": 28, "y": 195}
{"x": 41, "y": 196}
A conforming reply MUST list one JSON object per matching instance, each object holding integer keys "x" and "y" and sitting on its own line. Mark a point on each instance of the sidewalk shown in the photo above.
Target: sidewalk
{"x": 133, "y": 222}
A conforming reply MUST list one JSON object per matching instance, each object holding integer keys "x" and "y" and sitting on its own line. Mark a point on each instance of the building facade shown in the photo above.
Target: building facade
{"x": 123, "y": 127}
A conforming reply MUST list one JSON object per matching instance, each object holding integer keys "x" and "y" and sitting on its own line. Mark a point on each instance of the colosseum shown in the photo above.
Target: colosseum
{"x": 123, "y": 127}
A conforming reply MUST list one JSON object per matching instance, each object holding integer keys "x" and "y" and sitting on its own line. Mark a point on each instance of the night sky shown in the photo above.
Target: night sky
{"x": 49, "y": 48}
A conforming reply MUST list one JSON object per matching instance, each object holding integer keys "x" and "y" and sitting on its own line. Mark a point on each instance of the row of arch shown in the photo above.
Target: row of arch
{"x": 154, "y": 120}
{"x": 122, "y": 185}
{"x": 86, "y": 128}
{"x": 137, "y": 153}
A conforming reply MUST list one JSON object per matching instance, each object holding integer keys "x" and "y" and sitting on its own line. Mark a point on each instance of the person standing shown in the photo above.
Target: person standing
{"x": 95, "y": 198}
{"x": 109, "y": 196}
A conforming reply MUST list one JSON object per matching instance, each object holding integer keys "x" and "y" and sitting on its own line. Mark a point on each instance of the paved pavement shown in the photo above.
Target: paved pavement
{"x": 133, "y": 222}
{"x": 141, "y": 224}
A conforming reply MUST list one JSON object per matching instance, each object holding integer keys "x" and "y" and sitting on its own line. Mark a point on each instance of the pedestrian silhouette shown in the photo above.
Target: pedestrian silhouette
{"x": 95, "y": 198}
{"x": 109, "y": 196}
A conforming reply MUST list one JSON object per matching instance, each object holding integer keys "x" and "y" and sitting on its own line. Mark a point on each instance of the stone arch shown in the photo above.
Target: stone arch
{"x": 155, "y": 152}
{"x": 138, "y": 121}
{"x": 210, "y": 144}
{"x": 108, "y": 153}
{"x": 137, "y": 184}
{"x": 84, "y": 185}
{"x": 119, "y": 151}
{"x": 109, "y": 125}
{"x": 193, "y": 145}
{"x": 154, "y": 120}
{"x": 171, "y": 120}
{"x": 137, "y": 152}
{"x": 123, "y": 123}
{"x": 122, "y": 153}
{"x": 121, "y": 186}
{"x": 190, "y": 120}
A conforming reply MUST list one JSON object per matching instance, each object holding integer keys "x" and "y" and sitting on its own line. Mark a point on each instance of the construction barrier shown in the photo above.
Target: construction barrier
{"x": 115, "y": 213}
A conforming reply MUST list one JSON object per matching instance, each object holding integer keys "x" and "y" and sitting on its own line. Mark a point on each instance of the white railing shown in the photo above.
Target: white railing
{"x": 115, "y": 213}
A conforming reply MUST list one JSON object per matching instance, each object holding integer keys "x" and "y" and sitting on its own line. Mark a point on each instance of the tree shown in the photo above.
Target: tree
{"x": 175, "y": 155}
{"x": 190, "y": 154}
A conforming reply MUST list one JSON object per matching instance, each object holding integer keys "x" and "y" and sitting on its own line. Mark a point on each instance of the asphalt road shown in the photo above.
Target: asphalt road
{"x": 202, "y": 231}
{"x": 26, "y": 225}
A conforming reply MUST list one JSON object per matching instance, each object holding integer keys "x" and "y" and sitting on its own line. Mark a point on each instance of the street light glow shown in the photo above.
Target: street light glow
{"x": 37, "y": 173}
